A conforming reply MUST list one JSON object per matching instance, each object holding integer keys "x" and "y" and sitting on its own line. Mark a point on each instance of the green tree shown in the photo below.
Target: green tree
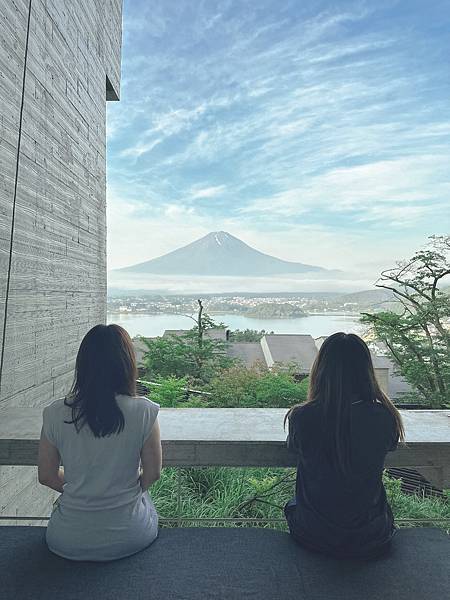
{"x": 192, "y": 354}
{"x": 417, "y": 335}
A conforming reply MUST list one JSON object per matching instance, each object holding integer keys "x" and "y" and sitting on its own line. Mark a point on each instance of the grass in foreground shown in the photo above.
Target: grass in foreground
{"x": 260, "y": 493}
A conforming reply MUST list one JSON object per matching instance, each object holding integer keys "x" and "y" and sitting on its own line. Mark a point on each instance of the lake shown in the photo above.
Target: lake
{"x": 315, "y": 325}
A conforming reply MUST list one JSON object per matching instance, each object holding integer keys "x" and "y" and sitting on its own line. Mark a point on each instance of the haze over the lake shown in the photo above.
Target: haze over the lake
{"x": 187, "y": 284}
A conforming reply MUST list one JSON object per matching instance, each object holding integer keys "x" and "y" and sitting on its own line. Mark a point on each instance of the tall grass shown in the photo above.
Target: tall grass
{"x": 416, "y": 506}
{"x": 221, "y": 493}
{"x": 261, "y": 493}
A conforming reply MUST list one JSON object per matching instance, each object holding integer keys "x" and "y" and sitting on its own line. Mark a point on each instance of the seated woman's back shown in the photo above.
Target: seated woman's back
{"x": 341, "y": 437}
{"x": 102, "y": 433}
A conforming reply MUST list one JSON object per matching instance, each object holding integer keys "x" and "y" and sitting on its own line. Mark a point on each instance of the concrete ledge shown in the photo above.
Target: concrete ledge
{"x": 241, "y": 437}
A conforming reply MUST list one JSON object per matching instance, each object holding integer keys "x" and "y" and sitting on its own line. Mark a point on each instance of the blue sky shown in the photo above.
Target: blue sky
{"x": 315, "y": 131}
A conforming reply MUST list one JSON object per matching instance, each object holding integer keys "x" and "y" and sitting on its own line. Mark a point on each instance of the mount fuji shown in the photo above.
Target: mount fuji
{"x": 220, "y": 254}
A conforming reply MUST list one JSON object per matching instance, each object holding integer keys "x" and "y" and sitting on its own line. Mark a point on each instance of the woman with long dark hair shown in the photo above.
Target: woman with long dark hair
{"x": 341, "y": 436}
{"x": 108, "y": 441}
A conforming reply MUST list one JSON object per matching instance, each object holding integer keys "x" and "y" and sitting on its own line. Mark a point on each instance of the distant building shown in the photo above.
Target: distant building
{"x": 320, "y": 340}
{"x": 174, "y": 332}
{"x": 289, "y": 349}
{"x": 250, "y": 354}
{"x": 397, "y": 386}
{"x": 140, "y": 348}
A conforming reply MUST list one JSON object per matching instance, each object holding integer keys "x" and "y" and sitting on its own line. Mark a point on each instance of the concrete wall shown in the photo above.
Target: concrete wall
{"x": 59, "y": 62}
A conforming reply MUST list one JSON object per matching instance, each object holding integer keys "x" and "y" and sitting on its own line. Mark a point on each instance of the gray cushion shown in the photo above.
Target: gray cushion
{"x": 216, "y": 563}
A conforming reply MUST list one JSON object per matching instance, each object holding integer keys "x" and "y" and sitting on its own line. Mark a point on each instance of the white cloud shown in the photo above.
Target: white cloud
{"x": 208, "y": 192}
{"x": 141, "y": 148}
{"x": 163, "y": 126}
{"x": 175, "y": 211}
{"x": 175, "y": 121}
{"x": 406, "y": 187}
{"x": 346, "y": 50}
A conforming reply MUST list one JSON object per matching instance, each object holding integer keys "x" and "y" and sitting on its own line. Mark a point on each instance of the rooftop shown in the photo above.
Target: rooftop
{"x": 296, "y": 349}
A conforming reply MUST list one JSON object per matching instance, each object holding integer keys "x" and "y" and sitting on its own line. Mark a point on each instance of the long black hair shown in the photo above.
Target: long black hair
{"x": 343, "y": 373}
{"x": 105, "y": 366}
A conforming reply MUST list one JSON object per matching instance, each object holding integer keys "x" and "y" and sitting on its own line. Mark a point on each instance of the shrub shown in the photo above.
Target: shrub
{"x": 170, "y": 392}
{"x": 256, "y": 387}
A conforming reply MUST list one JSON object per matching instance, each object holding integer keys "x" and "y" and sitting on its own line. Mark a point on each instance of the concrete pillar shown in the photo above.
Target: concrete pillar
{"x": 59, "y": 61}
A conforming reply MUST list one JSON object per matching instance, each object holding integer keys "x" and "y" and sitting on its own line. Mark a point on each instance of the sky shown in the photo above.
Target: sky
{"x": 316, "y": 131}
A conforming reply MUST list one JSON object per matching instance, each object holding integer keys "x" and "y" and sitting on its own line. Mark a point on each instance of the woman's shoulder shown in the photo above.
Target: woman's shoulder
{"x": 376, "y": 406}
{"x": 307, "y": 407}
{"x": 56, "y": 407}
{"x": 376, "y": 412}
{"x": 137, "y": 403}
{"x": 304, "y": 413}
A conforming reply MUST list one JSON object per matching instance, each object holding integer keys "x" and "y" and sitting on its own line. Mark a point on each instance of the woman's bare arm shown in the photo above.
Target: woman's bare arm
{"x": 151, "y": 458}
{"x": 50, "y": 473}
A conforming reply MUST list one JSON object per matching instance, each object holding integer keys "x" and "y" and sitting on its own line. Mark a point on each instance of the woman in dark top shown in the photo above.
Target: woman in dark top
{"x": 341, "y": 436}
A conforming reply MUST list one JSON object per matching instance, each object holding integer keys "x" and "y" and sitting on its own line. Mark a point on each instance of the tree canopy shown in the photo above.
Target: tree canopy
{"x": 418, "y": 335}
{"x": 191, "y": 354}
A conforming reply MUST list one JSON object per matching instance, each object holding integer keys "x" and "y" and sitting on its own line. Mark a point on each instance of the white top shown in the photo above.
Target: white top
{"x": 102, "y": 496}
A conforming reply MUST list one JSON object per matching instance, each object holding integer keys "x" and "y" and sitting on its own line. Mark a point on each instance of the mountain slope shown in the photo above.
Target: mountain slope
{"x": 219, "y": 253}
{"x": 368, "y": 298}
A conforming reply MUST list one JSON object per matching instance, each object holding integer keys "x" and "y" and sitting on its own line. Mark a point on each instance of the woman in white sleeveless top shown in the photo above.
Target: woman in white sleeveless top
{"x": 108, "y": 442}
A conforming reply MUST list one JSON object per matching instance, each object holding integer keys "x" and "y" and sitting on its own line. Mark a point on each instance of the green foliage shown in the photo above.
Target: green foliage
{"x": 183, "y": 356}
{"x": 248, "y": 335}
{"x": 241, "y": 387}
{"x": 236, "y": 387}
{"x": 192, "y": 359}
{"x": 415, "y": 334}
{"x": 425, "y": 365}
{"x": 170, "y": 391}
{"x": 196, "y": 401}
{"x": 167, "y": 357}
